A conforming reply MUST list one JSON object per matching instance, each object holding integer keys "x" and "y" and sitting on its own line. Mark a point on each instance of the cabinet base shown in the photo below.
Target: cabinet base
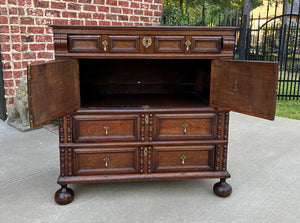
{"x": 222, "y": 189}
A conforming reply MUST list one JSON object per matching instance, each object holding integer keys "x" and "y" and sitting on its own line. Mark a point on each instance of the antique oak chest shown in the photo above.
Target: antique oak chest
{"x": 146, "y": 103}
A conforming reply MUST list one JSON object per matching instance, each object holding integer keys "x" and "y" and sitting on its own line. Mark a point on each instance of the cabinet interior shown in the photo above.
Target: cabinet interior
{"x": 144, "y": 82}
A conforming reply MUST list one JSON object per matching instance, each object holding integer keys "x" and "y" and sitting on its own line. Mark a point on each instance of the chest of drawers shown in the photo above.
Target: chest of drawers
{"x": 146, "y": 103}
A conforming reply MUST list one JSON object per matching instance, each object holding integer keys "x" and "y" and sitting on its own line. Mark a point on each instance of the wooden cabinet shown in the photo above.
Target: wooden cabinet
{"x": 146, "y": 103}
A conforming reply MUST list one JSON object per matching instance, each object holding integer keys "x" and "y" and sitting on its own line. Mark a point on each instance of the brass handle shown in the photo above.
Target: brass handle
{"x": 106, "y": 160}
{"x": 188, "y": 44}
{"x": 105, "y": 44}
{"x": 185, "y": 126}
{"x": 183, "y": 158}
{"x": 106, "y": 128}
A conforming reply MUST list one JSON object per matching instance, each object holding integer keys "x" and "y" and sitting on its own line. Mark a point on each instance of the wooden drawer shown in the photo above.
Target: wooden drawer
{"x": 124, "y": 44}
{"x": 206, "y": 44}
{"x": 104, "y": 161}
{"x": 169, "y": 44}
{"x": 183, "y": 158}
{"x": 84, "y": 43}
{"x": 185, "y": 126}
{"x": 108, "y": 128}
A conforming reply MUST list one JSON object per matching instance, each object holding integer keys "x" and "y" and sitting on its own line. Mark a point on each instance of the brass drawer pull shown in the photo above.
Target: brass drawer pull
{"x": 106, "y": 128}
{"x": 183, "y": 158}
{"x": 185, "y": 126}
{"x": 188, "y": 44}
{"x": 106, "y": 160}
{"x": 105, "y": 44}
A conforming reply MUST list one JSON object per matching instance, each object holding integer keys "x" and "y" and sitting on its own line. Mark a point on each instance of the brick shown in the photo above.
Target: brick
{"x": 111, "y": 17}
{"x": 50, "y": 46}
{"x": 58, "y": 5}
{"x": 10, "y": 101}
{"x": 157, "y": 13}
{"x": 45, "y": 55}
{"x": 15, "y": 29}
{"x": 17, "y": 47}
{"x": 158, "y": 1}
{"x": 6, "y": 65}
{"x": 116, "y": 23}
{"x": 7, "y": 74}
{"x": 148, "y": 24}
{"x": 8, "y": 83}
{"x": 9, "y": 91}
{"x": 17, "y": 65}
{"x": 69, "y": 14}
{"x": 60, "y": 22}
{"x": 85, "y": 15}
{"x": 23, "y": 29}
{"x": 4, "y": 29}
{"x": 99, "y": 16}
{"x": 138, "y": 24}
{"x": 4, "y": 38}
{"x": 112, "y": 2}
{"x": 18, "y": 74}
{"x": 39, "y": 30}
{"x": 5, "y": 56}
{"x": 154, "y": 7}
{"x": 135, "y": 5}
{"x": 37, "y": 47}
{"x": 123, "y": 18}
{"x": 91, "y": 8}
{"x": 3, "y": 20}
{"x": 26, "y": 3}
{"x": 35, "y": 12}
{"x": 16, "y": 38}
{"x": 24, "y": 47}
{"x": 76, "y": 22}
{"x": 148, "y": 13}
{"x": 28, "y": 55}
{"x": 13, "y": 11}
{"x": 115, "y": 10}
{"x": 84, "y": 1}
{"x": 128, "y": 23}
{"x": 127, "y": 11}
{"x": 149, "y": 1}
{"x": 99, "y": 2}
{"x": 27, "y": 21}
{"x": 72, "y": 6}
{"x": 138, "y": 12}
{"x": 5, "y": 48}
{"x": 26, "y": 38}
{"x": 12, "y": 2}
{"x": 42, "y": 4}
{"x": 52, "y": 13}
{"x": 134, "y": 18}
{"x": 42, "y": 21}
{"x": 3, "y": 11}
{"x": 145, "y": 6}
{"x": 90, "y": 23}
{"x": 103, "y": 23}
{"x": 123, "y": 3}
{"x": 103, "y": 9}
{"x": 70, "y": 0}
{"x": 43, "y": 38}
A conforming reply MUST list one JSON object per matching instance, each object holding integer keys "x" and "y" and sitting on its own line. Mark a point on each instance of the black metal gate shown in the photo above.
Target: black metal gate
{"x": 275, "y": 39}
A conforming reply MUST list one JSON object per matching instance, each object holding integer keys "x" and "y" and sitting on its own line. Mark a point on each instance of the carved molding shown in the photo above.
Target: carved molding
{"x": 70, "y": 164}
{"x": 149, "y": 160}
{"x": 224, "y": 160}
{"x": 219, "y": 128}
{"x": 218, "y": 157}
{"x": 62, "y": 162}
{"x": 143, "y": 127}
{"x": 61, "y": 130}
{"x": 141, "y": 159}
{"x": 226, "y": 125}
{"x": 150, "y": 132}
{"x": 69, "y": 128}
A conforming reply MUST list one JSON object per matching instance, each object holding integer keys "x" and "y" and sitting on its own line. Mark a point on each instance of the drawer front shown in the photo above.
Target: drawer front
{"x": 108, "y": 128}
{"x": 169, "y": 44}
{"x": 105, "y": 161}
{"x": 187, "y": 158}
{"x": 206, "y": 44}
{"x": 124, "y": 44}
{"x": 84, "y": 43}
{"x": 185, "y": 126}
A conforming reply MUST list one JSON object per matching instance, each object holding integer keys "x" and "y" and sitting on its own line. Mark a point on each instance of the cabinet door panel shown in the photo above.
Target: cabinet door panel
{"x": 84, "y": 43}
{"x": 53, "y": 90}
{"x": 247, "y": 87}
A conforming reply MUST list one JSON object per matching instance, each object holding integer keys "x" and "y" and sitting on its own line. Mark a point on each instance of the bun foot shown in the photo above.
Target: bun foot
{"x": 64, "y": 195}
{"x": 222, "y": 189}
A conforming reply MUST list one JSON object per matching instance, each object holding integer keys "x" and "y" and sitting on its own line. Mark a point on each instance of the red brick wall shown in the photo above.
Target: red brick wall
{"x": 25, "y": 36}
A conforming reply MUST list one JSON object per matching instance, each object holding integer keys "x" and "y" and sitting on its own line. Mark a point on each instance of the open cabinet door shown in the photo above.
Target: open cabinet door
{"x": 248, "y": 87}
{"x": 53, "y": 90}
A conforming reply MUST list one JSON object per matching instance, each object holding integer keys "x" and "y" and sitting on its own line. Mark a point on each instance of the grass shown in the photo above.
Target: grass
{"x": 288, "y": 109}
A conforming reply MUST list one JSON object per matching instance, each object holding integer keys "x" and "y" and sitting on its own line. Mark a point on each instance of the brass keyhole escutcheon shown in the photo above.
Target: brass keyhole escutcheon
{"x": 60, "y": 87}
{"x": 106, "y": 160}
{"x": 106, "y": 128}
{"x": 147, "y": 119}
{"x": 147, "y": 41}
{"x": 235, "y": 86}
{"x": 185, "y": 126}
{"x": 188, "y": 44}
{"x": 105, "y": 44}
{"x": 183, "y": 158}
{"x": 145, "y": 151}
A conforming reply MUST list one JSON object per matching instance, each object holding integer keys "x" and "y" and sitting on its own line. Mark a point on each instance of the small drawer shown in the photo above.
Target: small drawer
{"x": 187, "y": 158}
{"x": 185, "y": 126}
{"x": 206, "y": 44}
{"x": 84, "y": 43}
{"x": 105, "y": 161}
{"x": 169, "y": 44}
{"x": 108, "y": 128}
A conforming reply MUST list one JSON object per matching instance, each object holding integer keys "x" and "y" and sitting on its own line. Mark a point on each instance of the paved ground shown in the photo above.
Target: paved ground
{"x": 264, "y": 161}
